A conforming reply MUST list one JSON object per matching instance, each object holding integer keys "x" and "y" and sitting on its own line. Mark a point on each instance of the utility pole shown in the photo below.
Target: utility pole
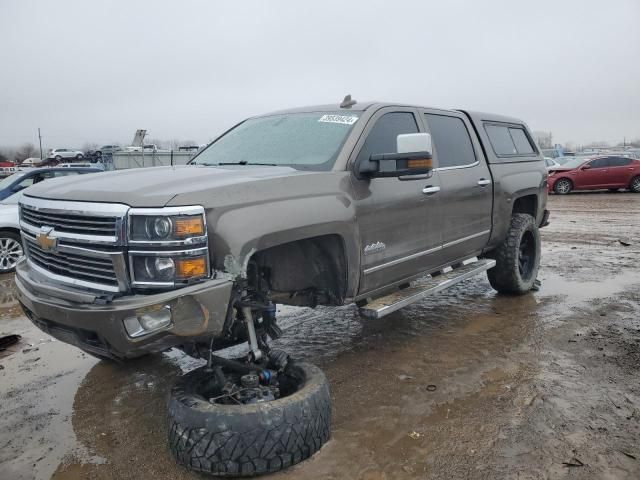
{"x": 40, "y": 140}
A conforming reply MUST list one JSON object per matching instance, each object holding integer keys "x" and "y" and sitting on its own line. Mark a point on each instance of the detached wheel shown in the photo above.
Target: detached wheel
{"x": 563, "y": 186}
{"x": 211, "y": 432}
{"x": 634, "y": 186}
{"x": 517, "y": 258}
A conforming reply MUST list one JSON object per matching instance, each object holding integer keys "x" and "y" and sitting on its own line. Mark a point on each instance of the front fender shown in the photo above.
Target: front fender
{"x": 236, "y": 234}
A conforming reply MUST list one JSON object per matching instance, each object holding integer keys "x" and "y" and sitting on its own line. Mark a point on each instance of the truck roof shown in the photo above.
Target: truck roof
{"x": 362, "y": 106}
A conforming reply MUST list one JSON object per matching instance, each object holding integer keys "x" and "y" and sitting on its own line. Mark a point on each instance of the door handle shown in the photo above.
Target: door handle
{"x": 483, "y": 182}
{"x": 430, "y": 190}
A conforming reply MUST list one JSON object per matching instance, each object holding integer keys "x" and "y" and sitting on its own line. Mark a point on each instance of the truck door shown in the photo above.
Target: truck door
{"x": 398, "y": 217}
{"x": 466, "y": 199}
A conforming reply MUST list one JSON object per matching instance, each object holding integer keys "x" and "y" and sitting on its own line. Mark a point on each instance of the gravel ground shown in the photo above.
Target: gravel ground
{"x": 534, "y": 387}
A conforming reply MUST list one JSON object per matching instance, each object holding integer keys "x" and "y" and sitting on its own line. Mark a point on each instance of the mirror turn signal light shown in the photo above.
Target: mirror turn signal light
{"x": 420, "y": 163}
{"x": 191, "y": 267}
{"x": 189, "y": 226}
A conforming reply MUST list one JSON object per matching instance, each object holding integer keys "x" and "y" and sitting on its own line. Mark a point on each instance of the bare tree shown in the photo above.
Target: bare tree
{"x": 544, "y": 139}
{"x": 27, "y": 150}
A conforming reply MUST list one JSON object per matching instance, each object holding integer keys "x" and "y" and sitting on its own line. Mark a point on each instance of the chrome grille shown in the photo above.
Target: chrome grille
{"x": 70, "y": 223}
{"x": 74, "y": 265}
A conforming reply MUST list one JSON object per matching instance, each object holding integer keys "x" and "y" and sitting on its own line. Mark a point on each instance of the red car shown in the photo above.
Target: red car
{"x": 594, "y": 173}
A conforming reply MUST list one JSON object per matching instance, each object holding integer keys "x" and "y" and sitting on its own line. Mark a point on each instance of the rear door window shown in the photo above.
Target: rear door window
{"x": 508, "y": 140}
{"x": 451, "y": 139}
{"x": 619, "y": 161}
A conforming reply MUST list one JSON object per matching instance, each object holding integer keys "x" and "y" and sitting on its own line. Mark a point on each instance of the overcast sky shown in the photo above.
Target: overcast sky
{"x": 91, "y": 71}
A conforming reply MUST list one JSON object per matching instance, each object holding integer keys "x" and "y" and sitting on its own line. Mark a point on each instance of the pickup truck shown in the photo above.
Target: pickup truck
{"x": 323, "y": 205}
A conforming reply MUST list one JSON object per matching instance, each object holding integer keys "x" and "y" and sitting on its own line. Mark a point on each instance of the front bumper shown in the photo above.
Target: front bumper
{"x": 198, "y": 313}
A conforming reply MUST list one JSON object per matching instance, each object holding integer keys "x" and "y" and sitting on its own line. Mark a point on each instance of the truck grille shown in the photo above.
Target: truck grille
{"x": 83, "y": 267}
{"x": 70, "y": 223}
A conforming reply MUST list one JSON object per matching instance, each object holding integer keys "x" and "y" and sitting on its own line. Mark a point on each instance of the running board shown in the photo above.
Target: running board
{"x": 382, "y": 306}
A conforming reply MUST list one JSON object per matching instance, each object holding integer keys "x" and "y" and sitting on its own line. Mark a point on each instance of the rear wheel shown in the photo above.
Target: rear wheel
{"x": 634, "y": 186}
{"x": 10, "y": 250}
{"x": 563, "y": 186}
{"x": 79, "y": 156}
{"x": 517, "y": 258}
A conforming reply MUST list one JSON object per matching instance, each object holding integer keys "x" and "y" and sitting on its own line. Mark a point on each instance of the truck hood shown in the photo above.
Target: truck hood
{"x": 154, "y": 187}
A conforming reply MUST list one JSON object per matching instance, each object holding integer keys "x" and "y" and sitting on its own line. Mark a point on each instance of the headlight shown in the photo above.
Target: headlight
{"x": 166, "y": 228}
{"x": 167, "y": 246}
{"x": 169, "y": 268}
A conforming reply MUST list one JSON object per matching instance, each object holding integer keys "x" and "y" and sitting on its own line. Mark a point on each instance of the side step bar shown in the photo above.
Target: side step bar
{"x": 394, "y": 301}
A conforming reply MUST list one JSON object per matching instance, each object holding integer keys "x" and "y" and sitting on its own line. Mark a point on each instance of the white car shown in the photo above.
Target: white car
{"x": 551, "y": 163}
{"x": 10, "y": 240}
{"x": 60, "y": 153}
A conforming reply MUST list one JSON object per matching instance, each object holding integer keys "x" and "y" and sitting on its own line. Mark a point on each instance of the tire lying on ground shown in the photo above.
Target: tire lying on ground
{"x": 517, "y": 258}
{"x": 249, "y": 439}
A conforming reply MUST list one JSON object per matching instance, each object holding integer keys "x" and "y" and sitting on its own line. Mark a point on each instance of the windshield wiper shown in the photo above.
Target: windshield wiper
{"x": 244, "y": 162}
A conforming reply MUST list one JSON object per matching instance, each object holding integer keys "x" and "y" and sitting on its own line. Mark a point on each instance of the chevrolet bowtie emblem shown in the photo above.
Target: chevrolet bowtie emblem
{"x": 46, "y": 241}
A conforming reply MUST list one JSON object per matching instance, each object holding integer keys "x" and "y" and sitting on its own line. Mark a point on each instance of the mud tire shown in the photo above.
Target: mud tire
{"x": 506, "y": 276}
{"x": 248, "y": 440}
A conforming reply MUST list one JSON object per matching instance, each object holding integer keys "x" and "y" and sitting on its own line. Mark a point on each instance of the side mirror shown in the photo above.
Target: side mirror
{"x": 413, "y": 158}
{"x": 586, "y": 167}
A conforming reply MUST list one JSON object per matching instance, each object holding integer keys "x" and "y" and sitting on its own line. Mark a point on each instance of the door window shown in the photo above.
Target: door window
{"x": 453, "y": 145}
{"x": 600, "y": 163}
{"x": 383, "y": 137}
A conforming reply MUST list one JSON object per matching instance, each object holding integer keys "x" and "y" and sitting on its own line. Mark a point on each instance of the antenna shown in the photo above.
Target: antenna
{"x": 347, "y": 102}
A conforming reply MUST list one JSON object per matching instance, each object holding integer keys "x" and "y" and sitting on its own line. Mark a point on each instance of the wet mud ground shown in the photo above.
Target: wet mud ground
{"x": 541, "y": 386}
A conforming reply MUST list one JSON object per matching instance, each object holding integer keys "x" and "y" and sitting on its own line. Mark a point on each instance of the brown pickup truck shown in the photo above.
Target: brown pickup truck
{"x": 323, "y": 205}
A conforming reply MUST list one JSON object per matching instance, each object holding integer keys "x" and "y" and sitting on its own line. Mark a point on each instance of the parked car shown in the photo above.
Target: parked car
{"x": 60, "y": 153}
{"x": 611, "y": 172}
{"x": 107, "y": 149}
{"x": 7, "y": 168}
{"x": 551, "y": 163}
{"x": 103, "y": 151}
{"x": 10, "y": 241}
{"x": 25, "y": 178}
{"x": 324, "y": 205}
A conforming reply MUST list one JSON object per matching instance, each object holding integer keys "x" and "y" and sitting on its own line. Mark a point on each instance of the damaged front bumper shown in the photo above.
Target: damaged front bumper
{"x": 124, "y": 327}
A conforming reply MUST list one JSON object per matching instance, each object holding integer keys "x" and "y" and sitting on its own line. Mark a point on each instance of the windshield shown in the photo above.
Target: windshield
{"x": 10, "y": 179}
{"x": 12, "y": 199}
{"x": 574, "y": 162}
{"x": 306, "y": 141}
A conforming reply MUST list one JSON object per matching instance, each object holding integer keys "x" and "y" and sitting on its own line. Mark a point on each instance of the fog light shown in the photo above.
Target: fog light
{"x": 147, "y": 322}
{"x": 155, "y": 320}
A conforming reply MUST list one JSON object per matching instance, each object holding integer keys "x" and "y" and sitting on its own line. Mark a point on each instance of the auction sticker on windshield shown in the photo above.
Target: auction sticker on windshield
{"x": 346, "y": 119}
